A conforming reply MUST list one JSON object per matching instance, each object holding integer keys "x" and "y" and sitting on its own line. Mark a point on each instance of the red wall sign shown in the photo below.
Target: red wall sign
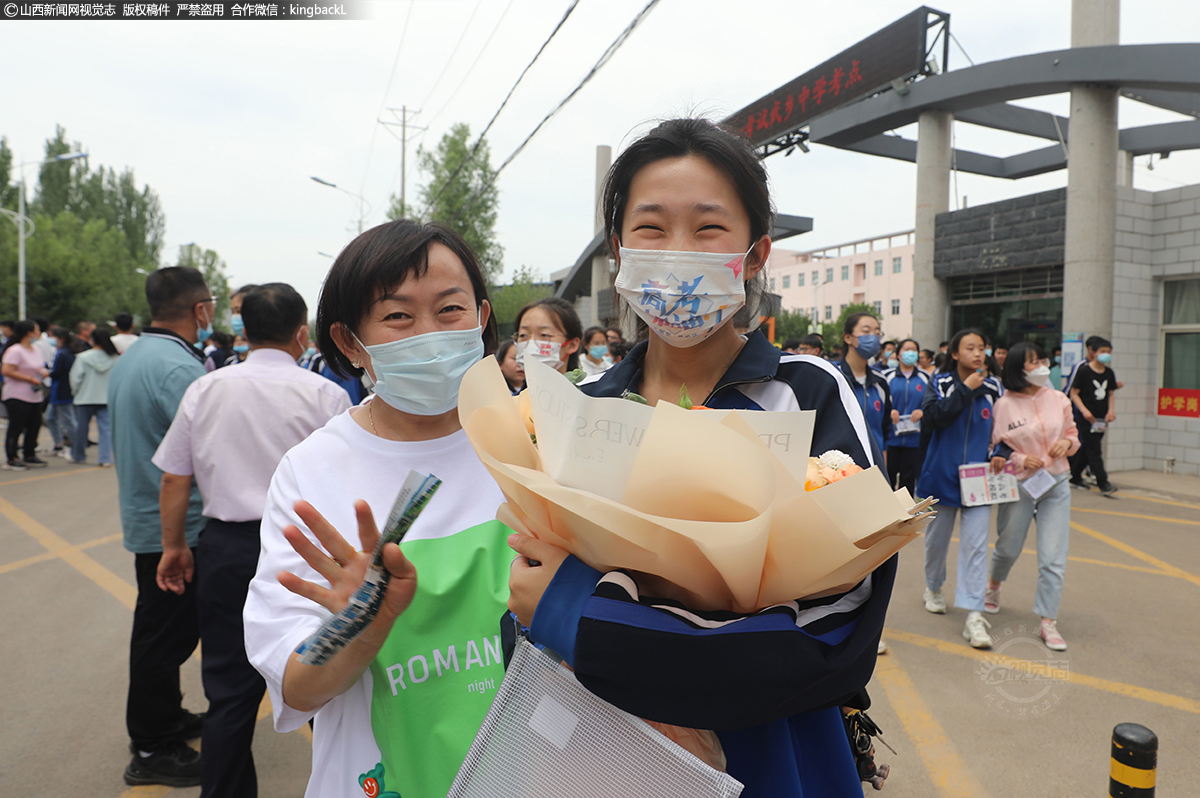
{"x": 1179, "y": 402}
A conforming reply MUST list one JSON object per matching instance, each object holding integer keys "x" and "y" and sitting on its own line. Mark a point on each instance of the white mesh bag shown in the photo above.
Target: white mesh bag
{"x": 546, "y": 735}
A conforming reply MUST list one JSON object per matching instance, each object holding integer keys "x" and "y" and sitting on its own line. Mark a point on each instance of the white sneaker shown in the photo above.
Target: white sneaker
{"x": 882, "y": 647}
{"x": 934, "y": 602}
{"x": 1048, "y": 631}
{"x": 975, "y": 632}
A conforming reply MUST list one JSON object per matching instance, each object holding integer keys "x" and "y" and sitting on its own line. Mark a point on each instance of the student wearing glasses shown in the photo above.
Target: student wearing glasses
{"x": 549, "y": 330}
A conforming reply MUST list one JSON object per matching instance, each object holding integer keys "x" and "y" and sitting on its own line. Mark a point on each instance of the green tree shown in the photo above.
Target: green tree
{"x": 791, "y": 324}
{"x": 213, "y": 268}
{"x": 460, "y": 194}
{"x": 507, "y": 300}
{"x": 832, "y": 332}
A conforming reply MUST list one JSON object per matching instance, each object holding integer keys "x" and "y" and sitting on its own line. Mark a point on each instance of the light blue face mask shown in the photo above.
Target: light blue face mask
{"x": 598, "y": 352}
{"x": 1104, "y": 357}
{"x": 241, "y": 349}
{"x": 237, "y": 324}
{"x": 908, "y": 357}
{"x": 310, "y": 352}
{"x": 420, "y": 375}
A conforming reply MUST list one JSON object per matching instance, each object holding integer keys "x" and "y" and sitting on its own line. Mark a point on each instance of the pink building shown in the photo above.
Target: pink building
{"x": 877, "y": 271}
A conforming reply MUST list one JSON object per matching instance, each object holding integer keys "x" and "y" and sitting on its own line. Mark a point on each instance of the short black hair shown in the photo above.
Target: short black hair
{"x": 1000, "y": 346}
{"x": 791, "y": 343}
{"x": 1012, "y": 374}
{"x": 245, "y": 289}
{"x": 950, "y": 363}
{"x": 374, "y": 263}
{"x": 852, "y": 322}
{"x": 1097, "y": 342}
{"x": 123, "y": 322}
{"x": 568, "y": 319}
{"x": 813, "y": 341}
{"x": 21, "y": 329}
{"x": 589, "y": 332}
{"x": 42, "y": 322}
{"x": 502, "y": 351}
{"x": 912, "y": 341}
{"x": 730, "y": 152}
{"x": 172, "y": 292}
{"x": 273, "y": 313}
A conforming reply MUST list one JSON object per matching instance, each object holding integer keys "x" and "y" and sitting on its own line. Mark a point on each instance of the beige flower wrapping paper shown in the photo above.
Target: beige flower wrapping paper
{"x": 706, "y": 506}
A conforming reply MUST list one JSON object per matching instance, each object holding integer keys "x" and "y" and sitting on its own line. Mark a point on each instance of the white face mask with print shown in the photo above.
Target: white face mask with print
{"x": 548, "y": 352}
{"x": 684, "y": 297}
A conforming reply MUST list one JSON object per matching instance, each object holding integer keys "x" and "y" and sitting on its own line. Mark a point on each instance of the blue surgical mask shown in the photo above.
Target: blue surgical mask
{"x": 868, "y": 346}
{"x": 203, "y": 334}
{"x": 310, "y": 352}
{"x": 598, "y": 352}
{"x": 1056, "y": 359}
{"x": 241, "y": 349}
{"x": 988, "y": 352}
{"x": 909, "y": 357}
{"x": 237, "y": 324}
{"x": 1104, "y": 357}
{"x": 893, "y": 362}
{"x": 420, "y": 375}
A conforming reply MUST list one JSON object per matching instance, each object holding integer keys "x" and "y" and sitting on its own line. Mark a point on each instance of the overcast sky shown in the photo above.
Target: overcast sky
{"x": 228, "y": 120}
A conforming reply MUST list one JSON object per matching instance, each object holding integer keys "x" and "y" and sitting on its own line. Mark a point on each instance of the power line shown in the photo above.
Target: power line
{"x": 479, "y": 141}
{"x": 471, "y": 69}
{"x": 604, "y": 59}
{"x": 383, "y": 103}
{"x": 453, "y": 53}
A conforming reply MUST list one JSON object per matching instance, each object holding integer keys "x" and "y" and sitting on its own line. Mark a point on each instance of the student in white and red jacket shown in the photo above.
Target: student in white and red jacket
{"x": 1034, "y": 428}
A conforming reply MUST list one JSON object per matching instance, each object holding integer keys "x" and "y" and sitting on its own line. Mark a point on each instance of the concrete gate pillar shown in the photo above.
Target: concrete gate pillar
{"x": 601, "y": 278}
{"x": 931, "y": 303}
{"x": 1091, "y": 182}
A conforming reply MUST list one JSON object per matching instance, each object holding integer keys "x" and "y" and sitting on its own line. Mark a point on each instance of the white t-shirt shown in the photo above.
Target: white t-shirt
{"x": 335, "y": 466}
{"x": 123, "y": 341}
{"x": 591, "y": 369}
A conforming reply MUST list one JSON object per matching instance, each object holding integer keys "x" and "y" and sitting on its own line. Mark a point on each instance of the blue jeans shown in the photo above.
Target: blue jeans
{"x": 83, "y": 418}
{"x": 60, "y": 420}
{"x": 1053, "y": 514}
{"x": 972, "y": 553}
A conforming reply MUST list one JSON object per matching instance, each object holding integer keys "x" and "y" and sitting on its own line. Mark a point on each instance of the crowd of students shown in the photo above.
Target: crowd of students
{"x": 687, "y": 202}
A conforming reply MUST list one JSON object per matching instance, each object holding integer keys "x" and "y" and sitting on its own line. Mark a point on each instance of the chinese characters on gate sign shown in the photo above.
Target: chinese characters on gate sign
{"x": 807, "y": 100}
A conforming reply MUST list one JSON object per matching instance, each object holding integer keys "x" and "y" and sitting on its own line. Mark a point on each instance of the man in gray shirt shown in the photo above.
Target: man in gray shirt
{"x": 145, "y": 389}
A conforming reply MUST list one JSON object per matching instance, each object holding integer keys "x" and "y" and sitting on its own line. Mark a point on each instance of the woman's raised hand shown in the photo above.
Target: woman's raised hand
{"x": 344, "y": 566}
{"x": 1060, "y": 447}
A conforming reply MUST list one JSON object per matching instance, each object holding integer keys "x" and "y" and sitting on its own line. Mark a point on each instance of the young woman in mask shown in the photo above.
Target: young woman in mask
{"x": 860, "y": 334}
{"x": 549, "y": 330}
{"x": 1035, "y": 429}
{"x": 688, "y": 216}
{"x": 958, "y": 410}
{"x": 405, "y": 304}
{"x": 907, "y": 385}
{"x": 595, "y": 358}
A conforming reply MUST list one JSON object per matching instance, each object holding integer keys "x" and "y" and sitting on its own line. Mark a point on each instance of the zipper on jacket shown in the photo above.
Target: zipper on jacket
{"x": 723, "y": 386}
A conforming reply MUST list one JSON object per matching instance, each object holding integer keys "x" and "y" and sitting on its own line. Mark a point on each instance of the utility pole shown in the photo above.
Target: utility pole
{"x": 403, "y": 138}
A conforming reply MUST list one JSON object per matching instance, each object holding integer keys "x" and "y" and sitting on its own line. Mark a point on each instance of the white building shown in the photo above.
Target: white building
{"x": 876, "y": 271}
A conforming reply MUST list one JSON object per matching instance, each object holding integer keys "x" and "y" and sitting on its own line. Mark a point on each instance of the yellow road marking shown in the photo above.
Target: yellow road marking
{"x": 1161, "y": 501}
{"x": 1162, "y": 565}
{"x": 146, "y": 791}
{"x": 55, "y": 475}
{"x": 1089, "y": 561}
{"x": 37, "y": 558}
{"x": 106, "y": 579}
{"x": 945, "y": 765}
{"x": 1106, "y": 685}
{"x": 1158, "y": 518}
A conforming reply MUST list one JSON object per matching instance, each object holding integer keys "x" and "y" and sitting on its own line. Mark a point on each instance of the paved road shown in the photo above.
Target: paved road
{"x": 961, "y": 725}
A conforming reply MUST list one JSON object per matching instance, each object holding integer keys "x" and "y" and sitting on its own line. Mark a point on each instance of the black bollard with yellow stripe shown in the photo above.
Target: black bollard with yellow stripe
{"x": 1134, "y": 760}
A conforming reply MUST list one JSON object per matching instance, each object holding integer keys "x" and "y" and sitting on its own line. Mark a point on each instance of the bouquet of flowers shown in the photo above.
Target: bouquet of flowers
{"x": 718, "y": 509}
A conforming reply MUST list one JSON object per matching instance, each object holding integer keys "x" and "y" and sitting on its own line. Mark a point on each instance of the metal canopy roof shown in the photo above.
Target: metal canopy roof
{"x": 1163, "y": 75}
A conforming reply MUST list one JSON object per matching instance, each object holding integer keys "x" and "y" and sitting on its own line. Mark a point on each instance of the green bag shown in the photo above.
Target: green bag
{"x": 436, "y": 676}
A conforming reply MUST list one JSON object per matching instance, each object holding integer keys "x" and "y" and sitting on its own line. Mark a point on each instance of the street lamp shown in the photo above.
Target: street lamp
{"x": 360, "y": 199}
{"x": 21, "y": 219}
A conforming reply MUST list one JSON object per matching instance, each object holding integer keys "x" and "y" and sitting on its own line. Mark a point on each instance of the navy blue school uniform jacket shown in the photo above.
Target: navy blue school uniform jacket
{"x": 961, "y": 421}
{"x": 875, "y": 402}
{"x": 769, "y": 683}
{"x": 908, "y": 393}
